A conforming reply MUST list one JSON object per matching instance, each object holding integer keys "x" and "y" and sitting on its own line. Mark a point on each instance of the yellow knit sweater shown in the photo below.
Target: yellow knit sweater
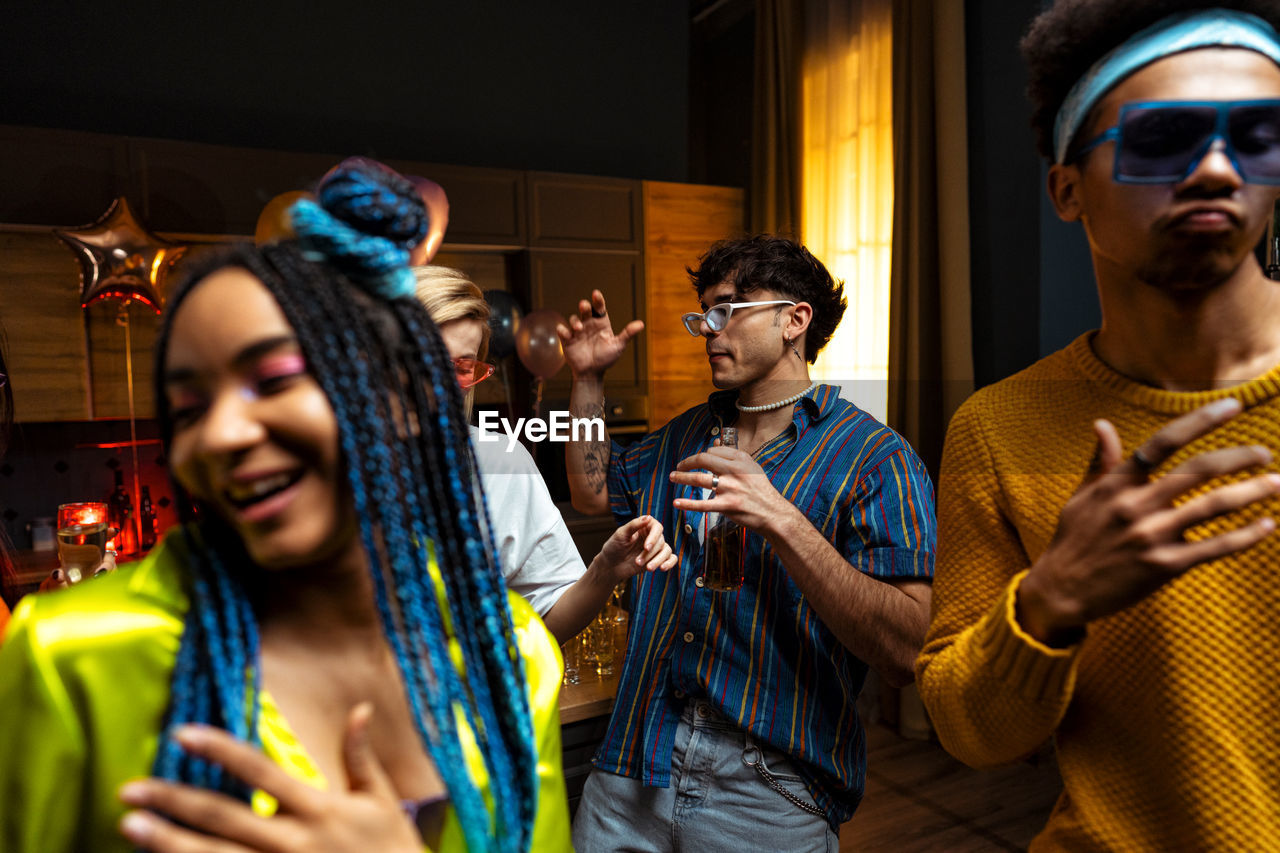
{"x": 1164, "y": 717}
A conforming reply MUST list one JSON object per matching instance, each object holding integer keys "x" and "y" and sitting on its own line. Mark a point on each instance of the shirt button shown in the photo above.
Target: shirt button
{"x": 703, "y": 711}
{"x": 715, "y": 430}
{"x": 688, "y": 636}
{"x": 688, "y": 528}
{"x": 680, "y": 694}
{"x": 698, "y": 581}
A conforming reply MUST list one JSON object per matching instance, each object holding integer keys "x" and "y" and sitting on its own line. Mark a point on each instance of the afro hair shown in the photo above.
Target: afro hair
{"x": 1064, "y": 41}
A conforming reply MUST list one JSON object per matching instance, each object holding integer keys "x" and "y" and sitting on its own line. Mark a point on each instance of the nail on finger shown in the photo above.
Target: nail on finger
{"x": 134, "y": 793}
{"x": 136, "y": 826}
{"x": 191, "y": 737}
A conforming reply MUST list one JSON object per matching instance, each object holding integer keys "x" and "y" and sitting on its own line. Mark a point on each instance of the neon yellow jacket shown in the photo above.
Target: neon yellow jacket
{"x": 84, "y": 682}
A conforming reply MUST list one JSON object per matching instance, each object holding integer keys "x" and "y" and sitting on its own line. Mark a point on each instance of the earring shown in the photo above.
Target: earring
{"x": 792, "y": 344}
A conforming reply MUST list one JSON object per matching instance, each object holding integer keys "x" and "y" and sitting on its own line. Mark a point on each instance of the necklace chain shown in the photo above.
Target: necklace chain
{"x": 779, "y": 404}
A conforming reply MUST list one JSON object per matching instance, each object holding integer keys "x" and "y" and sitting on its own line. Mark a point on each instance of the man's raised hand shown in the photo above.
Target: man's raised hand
{"x": 590, "y": 345}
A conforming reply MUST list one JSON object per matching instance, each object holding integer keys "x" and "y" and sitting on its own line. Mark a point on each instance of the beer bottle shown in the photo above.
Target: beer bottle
{"x": 146, "y": 521}
{"x": 726, "y": 540}
{"x": 120, "y": 516}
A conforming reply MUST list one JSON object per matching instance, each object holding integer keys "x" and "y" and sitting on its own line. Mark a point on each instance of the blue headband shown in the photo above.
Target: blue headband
{"x": 1174, "y": 34}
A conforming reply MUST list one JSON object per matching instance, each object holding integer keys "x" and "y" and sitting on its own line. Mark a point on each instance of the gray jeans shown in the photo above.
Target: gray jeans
{"x": 717, "y": 800}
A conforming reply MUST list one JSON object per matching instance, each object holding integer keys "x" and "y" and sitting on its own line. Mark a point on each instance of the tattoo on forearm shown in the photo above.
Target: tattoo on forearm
{"x": 593, "y": 409}
{"x": 595, "y": 465}
{"x": 595, "y": 454}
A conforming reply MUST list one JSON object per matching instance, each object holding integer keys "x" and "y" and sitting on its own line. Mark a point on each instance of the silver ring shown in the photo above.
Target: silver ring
{"x": 1142, "y": 463}
{"x": 715, "y": 482}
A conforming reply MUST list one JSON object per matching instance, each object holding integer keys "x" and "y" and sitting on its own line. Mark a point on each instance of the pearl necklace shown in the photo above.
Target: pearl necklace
{"x": 778, "y": 405}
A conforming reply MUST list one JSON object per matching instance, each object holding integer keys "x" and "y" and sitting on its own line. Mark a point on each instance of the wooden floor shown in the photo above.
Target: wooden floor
{"x": 918, "y": 798}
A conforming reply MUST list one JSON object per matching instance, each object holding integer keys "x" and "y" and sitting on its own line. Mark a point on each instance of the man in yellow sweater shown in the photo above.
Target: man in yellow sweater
{"x": 1106, "y": 570}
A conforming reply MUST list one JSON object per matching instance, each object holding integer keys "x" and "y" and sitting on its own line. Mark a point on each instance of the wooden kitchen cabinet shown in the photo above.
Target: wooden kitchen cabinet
{"x": 66, "y": 179}
{"x": 585, "y": 234}
{"x": 486, "y": 206}
{"x": 550, "y": 237}
{"x": 559, "y": 279}
{"x": 195, "y": 188}
{"x": 192, "y": 188}
{"x": 664, "y": 366}
{"x": 681, "y": 221}
{"x": 582, "y": 212}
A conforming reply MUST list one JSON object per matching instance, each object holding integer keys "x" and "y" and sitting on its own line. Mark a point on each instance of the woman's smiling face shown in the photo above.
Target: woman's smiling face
{"x": 254, "y": 436}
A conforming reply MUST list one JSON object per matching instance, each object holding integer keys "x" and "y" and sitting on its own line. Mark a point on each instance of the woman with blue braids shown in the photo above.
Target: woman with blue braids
{"x": 332, "y": 597}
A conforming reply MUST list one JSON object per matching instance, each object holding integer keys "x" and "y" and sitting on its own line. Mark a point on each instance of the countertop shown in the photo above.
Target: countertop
{"x": 32, "y": 567}
{"x": 591, "y": 697}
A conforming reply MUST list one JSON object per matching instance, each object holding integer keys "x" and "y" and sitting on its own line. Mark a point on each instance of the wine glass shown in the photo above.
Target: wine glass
{"x": 82, "y": 538}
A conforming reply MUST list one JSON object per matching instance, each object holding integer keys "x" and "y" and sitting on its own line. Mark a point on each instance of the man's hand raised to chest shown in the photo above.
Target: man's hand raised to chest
{"x": 1121, "y": 536}
{"x": 881, "y": 622}
{"x": 741, "y": 490}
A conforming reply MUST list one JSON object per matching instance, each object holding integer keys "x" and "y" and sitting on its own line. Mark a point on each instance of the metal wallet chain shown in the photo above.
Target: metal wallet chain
{"x": 773, "y": 783}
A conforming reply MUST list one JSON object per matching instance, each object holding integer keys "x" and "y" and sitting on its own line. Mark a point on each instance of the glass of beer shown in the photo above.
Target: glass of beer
{"x": 726, "y": 542}
{"x": 572, "y": 654}
{"x": 722, "y": 570}
{"x": 602, "y": 640}
{"x": 82, "y": 538}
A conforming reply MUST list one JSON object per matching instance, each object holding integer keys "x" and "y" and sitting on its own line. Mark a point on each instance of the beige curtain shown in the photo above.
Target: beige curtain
{"x": 859, "y": 149}
{"x": 847, "y": 143}
{"x": 775, "y": 138}
{"x": 930, "y": 329}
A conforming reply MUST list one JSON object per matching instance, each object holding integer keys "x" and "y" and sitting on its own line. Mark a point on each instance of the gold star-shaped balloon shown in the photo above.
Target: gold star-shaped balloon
{"x": 120, "y": 259}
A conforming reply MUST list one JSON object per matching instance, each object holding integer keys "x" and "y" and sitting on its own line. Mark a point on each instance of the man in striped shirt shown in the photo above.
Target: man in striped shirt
{"x": 734, "y": 725}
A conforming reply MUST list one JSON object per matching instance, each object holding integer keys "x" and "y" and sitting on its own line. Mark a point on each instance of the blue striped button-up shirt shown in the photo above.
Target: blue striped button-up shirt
{"x": 760, "y": 655}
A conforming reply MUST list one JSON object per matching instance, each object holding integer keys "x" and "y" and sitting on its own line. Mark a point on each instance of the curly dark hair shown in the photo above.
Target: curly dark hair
{"x": 771, "y": 262}
{"x": 1065, "y": 40}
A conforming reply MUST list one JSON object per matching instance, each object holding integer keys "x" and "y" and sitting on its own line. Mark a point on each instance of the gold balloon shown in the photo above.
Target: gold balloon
{"x": 120, "y": 259}
{"x": 437, "y": 218}
{"x": 274, "y": 224}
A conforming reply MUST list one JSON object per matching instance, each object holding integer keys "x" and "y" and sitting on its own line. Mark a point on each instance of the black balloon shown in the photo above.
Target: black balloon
{"x": 504, "y": 317}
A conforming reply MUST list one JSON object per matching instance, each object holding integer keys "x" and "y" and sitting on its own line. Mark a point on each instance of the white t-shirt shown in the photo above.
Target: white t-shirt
{"x": 539, "y": 559}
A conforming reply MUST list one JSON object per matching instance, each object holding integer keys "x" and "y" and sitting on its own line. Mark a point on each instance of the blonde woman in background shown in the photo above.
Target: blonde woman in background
{"x": 539, "y": 559}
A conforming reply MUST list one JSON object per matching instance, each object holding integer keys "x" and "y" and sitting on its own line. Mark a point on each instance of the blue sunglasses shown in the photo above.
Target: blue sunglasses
{"x": 1162, "y": 142}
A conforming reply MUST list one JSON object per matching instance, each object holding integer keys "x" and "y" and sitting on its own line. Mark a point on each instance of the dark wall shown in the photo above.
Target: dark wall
{"x": 1004, "y": 212}
{"x": 594, "y": 88}
{"x": 1032, "y": 279}
{"x": 1068, "y": 292}
{"x": 721, "y": 95}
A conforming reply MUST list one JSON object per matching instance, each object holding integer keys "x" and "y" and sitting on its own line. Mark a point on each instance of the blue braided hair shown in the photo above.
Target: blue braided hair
{"x": 367, "y": 219}
{"x": 381, "y": 363}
